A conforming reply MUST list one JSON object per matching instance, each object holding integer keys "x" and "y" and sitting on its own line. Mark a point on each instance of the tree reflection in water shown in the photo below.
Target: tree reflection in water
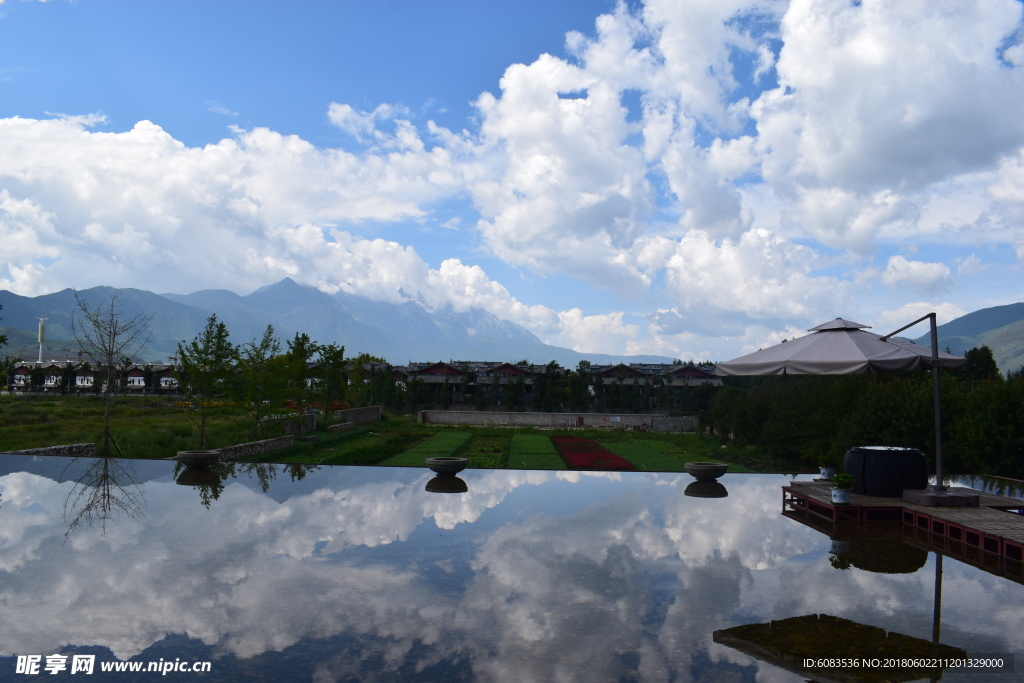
{"x": 107, "y": 487}
{"x": 209, "y": 481}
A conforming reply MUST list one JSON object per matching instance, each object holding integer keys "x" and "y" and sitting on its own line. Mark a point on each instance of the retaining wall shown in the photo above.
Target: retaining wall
{"x": 74, "y": 450}
{"x": 359, "y": 415}
{"x": 251, "y": 448}
{"x": 658, "y": 423}
{"x": 296, "y": 424}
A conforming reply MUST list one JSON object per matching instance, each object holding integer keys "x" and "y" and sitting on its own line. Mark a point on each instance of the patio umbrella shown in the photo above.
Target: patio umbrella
{"x": 841, "y": 347}
{"x": 791, "y": 643}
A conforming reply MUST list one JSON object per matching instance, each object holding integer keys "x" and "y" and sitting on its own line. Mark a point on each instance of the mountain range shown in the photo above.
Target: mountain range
{"x": 398, "y": 332}
{"x": 1000, "y": 328}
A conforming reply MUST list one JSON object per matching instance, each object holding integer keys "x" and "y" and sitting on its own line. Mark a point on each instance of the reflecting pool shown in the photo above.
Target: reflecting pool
{"x": 361, "y": 573}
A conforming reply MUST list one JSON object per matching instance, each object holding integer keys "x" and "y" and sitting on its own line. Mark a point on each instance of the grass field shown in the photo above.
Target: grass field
{"x": 533, "y": 452}
{"x": 658, "y": 456}
{"x": 143, "y": 427}
{"x": 148, "y": 427}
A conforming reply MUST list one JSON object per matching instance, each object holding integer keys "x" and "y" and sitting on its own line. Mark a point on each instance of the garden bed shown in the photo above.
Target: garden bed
{"x": 584, "y": 454}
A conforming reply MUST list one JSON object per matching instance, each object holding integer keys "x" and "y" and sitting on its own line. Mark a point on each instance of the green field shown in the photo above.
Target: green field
{"x": 143, "y": 427}
{"x": 534, "y": 452}
{"x": 147, "y": 427}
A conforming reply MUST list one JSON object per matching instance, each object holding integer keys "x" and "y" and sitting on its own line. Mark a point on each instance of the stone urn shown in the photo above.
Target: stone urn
{"x": 198, "y": 476}
{"x": 447, "y": 466}
{"x": 706, "y": 471}
{"x": 447, "y": 484}
{"x": 198, "y": 459}
{"x": 704, "y": 488}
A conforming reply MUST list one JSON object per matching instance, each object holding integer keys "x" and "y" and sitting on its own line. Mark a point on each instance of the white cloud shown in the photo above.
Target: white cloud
{"x": 648, "y": 162}
{"x": 969, "y": 265}
{"x": 601, "y": 333}
{"x": 887, "y": 321}
{"x": 889, "y": 95}
{"x": 758, "y": 277}
{"x": 919, "y": 276}
{"x": 217, "y": 108}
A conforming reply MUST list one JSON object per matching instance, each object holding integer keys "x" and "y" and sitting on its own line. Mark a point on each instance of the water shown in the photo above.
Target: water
{"x": 348, "y": 573}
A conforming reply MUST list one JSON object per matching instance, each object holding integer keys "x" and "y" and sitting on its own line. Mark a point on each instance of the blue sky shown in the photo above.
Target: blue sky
{"x": 690, "y": 178}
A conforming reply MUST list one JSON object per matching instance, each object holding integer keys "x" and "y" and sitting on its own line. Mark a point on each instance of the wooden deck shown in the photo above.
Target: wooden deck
{"x": 990, "y": 536}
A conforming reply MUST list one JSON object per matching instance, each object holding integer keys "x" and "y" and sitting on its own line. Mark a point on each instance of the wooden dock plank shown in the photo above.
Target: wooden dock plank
{"x": 995, "y": 527}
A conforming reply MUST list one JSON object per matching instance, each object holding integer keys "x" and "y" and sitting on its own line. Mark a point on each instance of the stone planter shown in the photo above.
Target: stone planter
{"x": 447, "y": 484}
{"x": 447, "y": 466}
{"x": 197, "y": 459}
{"x": 194, "y": 476}
{"x": 703, "y": 488}
{"x": 706, "y": 471}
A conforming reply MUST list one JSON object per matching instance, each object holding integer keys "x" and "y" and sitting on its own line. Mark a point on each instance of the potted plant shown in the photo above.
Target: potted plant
{"x": 842, "y": 486}
{"x": 827, "y": 464}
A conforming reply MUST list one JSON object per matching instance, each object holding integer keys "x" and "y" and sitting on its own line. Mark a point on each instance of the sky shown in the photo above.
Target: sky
{"x": 690, "y": 178}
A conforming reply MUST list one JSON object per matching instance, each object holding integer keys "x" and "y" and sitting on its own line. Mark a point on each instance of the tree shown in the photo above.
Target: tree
{"x": 261, "y": 377}
{"x": 331, "y": 361}
{"x": 981, "y": 364}
{"x": 3, "y": 337}
{"x": 298, "y": 359}
{"x": 107, "y": 335}
{"x": 206, "y": 364}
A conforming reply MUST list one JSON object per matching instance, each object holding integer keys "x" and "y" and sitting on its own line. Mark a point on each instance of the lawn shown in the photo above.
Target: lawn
{"x": 158, "y": 427}
{"x": 652, "y": 455}
{"x": 440, "y": 445}
{"x": 533, "y": 452}
{"x": 143, "y": 427}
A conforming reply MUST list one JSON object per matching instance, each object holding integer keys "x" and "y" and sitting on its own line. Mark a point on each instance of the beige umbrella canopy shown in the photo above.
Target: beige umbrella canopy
{"x": 839, "y": 347}
{"x": 824, "y": 639}
{"x": 842, "y": 347}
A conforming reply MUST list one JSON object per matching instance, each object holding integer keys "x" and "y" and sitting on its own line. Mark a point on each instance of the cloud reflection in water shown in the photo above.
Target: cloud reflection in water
{"x": 360, "y": 572}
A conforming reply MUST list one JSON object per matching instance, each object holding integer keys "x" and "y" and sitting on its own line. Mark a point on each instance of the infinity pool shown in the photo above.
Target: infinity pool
{"x": 359, "y": 573}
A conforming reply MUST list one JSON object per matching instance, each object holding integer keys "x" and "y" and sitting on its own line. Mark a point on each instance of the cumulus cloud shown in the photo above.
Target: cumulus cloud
{"x": 887, "y": 321}
{"x": 757, "y": 277}
{"x": 535, "y": 574}
{"x": 918, "y": 276}
{"x": 713, "y": 159}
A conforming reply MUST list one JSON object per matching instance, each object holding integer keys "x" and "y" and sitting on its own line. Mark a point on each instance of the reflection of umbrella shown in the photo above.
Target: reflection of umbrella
{"x": 789, "y": 643}
{"x": 841, "y": 347}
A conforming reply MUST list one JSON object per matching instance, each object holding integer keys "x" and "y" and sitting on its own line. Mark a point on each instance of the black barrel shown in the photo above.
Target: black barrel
{"x": 885, "y": 471}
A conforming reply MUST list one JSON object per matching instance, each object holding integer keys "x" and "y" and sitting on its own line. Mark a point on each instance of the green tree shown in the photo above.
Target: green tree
{"x": 3, "y": 337}
{"x": 261, "y": 377}
{"x": 331, "y": 362}
{"x": 107, "y": 334}
{"x": 298, "y": 368}
{"x": 206, "y": 365}
{"x": 360, "y": 375}
{"x": 981, "y": 364}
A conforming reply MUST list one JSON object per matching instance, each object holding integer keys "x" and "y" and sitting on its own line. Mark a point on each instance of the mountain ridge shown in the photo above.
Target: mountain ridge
{"x": 399, "y": 332}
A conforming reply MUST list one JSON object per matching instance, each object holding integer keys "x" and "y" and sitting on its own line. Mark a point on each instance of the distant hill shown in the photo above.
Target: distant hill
{"x": 1001, "y": 328}
{"x": 399, "y": 332}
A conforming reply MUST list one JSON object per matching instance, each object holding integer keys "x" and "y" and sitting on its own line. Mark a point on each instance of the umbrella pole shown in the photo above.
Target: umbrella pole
{"x": 936, "y": 398}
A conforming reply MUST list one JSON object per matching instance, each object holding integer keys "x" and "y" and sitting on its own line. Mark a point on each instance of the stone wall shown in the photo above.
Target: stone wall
{"x": 253, "y": 447}
{"x": 340, "y": 427}
{"x": 296, "y": 425}
{"x": 74, "y": 450}
{"x": 359, "y": 415}
{"x": 658, "y": 423}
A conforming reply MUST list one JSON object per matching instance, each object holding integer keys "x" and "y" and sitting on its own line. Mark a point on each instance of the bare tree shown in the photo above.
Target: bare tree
{"x": 106, "y": 488}
{"x": 108, "y": 335}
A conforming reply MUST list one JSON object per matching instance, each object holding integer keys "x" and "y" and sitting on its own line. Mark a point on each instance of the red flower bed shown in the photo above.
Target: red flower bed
{"x": 584, "y": 454}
